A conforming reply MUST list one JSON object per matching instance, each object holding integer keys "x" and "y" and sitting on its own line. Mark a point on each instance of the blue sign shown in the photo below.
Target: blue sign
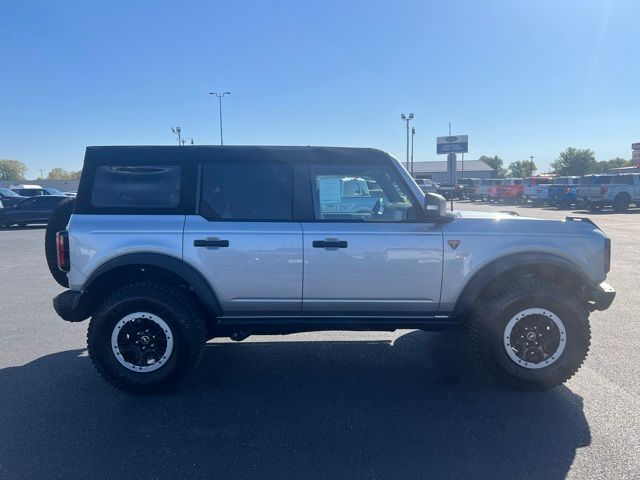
{"x": 452, "y": 144}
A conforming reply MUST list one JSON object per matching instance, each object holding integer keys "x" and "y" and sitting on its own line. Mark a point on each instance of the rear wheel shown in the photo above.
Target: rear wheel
{"x": 146, "y": 337}
{"x": 621, "y": 203}
{"x": 532, "y": 335}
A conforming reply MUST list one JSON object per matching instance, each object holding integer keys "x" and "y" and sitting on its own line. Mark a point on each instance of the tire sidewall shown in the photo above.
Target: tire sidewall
{"x": 102, "y": 354}
{"x": 576, "y": 347}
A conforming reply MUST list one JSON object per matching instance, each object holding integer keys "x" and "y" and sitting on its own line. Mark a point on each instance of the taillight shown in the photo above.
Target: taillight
{"x": 603, "y": 190}
{"x": 62, "y": 250}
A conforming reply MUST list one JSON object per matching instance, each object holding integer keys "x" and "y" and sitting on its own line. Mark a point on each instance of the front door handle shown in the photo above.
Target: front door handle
{"x": 330, "y": 243}
{"x": 213, "y": 242}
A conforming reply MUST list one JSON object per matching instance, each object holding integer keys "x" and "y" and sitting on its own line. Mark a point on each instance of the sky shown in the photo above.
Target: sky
{"x": 520, "y": 78}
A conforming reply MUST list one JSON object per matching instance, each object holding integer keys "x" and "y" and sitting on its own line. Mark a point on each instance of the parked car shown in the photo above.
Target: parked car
{"x": 29, "y": 211}
{"x": 9, "y": 198}
{"x": 531, "y": 188}
{"x": 469, "y": 187}
{"x": 28, "y": 190}
{"x": 427, "y": 185}
{"x": 620, "y": 193}
{"x": 449, "y": 191}
{"x": 167, "y": 247}
{"x": 347, "y": 195}
{"x": 492, "y": 190}
{"x": 589, "y": 187}
{"x": 563, "y": 192}
{"x": 510, "y": 191}
{"x": 482, "y": 192}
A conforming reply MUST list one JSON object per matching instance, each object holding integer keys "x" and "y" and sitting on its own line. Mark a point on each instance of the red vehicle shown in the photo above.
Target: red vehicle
{"x": 492, "y": 189}
{"x": 511, "y": 190}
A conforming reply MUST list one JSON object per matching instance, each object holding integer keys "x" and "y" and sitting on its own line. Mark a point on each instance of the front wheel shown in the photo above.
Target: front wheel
{"x": 146, "y": 337}
{"x": 532, "y": 335}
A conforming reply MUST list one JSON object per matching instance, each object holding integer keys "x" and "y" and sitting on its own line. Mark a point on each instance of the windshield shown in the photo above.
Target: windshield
{"x": 8, "y": 193}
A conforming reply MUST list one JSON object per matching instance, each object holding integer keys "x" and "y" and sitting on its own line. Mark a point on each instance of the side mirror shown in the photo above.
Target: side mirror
{"x": 434, "y": 205}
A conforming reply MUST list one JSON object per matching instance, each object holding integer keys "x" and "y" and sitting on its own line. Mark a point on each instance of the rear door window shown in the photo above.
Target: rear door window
{"x": 250, "y": 191}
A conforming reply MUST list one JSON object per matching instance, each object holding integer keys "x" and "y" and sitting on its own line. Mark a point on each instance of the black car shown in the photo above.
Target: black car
{"x": 30, "y": 210}
{"x": 9, "y": 198}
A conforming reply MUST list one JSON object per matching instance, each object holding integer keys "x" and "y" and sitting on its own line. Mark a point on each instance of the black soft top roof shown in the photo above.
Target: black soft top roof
{"x": 197, "y": 153}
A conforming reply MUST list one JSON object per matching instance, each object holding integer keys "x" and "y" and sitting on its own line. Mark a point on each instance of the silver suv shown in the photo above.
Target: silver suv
{"x": 165, "y": 248}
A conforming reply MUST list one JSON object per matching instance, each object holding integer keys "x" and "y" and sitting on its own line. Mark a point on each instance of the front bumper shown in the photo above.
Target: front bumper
{"x": 601, "y": 296}
{"x": 72, "y": 306}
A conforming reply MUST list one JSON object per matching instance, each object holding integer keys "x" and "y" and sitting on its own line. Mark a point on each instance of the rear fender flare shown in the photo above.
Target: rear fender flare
{"x": 201, "y": 287}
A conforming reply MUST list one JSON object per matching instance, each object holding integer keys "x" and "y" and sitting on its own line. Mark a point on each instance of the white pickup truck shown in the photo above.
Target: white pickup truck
{"x": 619, "y": 192}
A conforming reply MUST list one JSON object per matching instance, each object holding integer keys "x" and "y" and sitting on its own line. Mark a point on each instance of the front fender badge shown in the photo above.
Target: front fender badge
{"x": 453, "y": 243}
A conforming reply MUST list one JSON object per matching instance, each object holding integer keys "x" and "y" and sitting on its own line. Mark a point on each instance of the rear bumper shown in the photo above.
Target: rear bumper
{"x": 71, "y": 306}
{"x": 601, "y": 296}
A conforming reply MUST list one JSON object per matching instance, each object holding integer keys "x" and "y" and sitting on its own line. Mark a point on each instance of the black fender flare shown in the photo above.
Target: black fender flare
{"x": 192, "y": 277}
{"x": 472, "y": 289}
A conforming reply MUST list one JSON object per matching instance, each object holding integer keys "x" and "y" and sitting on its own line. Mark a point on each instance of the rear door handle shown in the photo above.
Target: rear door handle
{"x": 330, "y": 243}
{"x": 214, "y": 242}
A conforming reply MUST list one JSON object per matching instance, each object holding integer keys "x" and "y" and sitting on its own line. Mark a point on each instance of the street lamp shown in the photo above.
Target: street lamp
{"x": 532, "y": 165}
{"x": 220, "y": 95}
{"x": 407, "y": 118}
{"x": 177, "y": 131}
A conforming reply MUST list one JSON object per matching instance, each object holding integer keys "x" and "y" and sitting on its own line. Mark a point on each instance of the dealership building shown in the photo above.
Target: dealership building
{"x": 437, "y": 171}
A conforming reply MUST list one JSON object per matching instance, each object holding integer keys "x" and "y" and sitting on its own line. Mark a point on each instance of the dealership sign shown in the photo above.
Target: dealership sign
{"x": 452, "y": 144}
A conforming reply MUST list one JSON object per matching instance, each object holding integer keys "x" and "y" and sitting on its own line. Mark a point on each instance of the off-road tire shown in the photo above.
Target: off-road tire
{"x": 491, "y": 315}
{"x": 57, "y": 222}
{"x": 176, "y": 307}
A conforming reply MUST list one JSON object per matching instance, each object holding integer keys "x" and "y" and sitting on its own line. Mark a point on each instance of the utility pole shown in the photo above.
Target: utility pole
{"x": 220, "y": 95}
{"x": 41, "y": 173}
{"x": 407, "y": 118}
{"x": 413, "y": 134}
{"x": 177, "y": 131}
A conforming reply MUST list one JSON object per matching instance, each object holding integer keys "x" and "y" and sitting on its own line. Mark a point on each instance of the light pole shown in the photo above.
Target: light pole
{"x": 407, "y": 118}
{"x": 220, "y": 95}
{"x": 413, "y": 134}
{"x": 177, "y": 131}
{"x": 532, "y": 165}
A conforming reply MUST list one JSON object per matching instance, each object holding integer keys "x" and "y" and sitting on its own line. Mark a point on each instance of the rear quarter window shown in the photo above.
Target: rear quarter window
{"x": 136, "y": 187}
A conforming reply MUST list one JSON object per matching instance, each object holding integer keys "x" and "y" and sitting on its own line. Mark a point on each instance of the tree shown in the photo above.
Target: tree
{"x": 12, "y": 170}
{"x": 617, "y": 162}
{"x": 521, "y": 168}
{"x": 496, "y": 163}
{"x": 575, "y": 161}
{"x": 62, "y": 174}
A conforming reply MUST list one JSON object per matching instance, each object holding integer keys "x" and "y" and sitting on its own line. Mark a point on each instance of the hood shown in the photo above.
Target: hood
{"x": 489, "y": 215}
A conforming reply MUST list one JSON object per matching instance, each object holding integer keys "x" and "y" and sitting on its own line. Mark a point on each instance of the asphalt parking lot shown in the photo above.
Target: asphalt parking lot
{"x": 407, "y": 404}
